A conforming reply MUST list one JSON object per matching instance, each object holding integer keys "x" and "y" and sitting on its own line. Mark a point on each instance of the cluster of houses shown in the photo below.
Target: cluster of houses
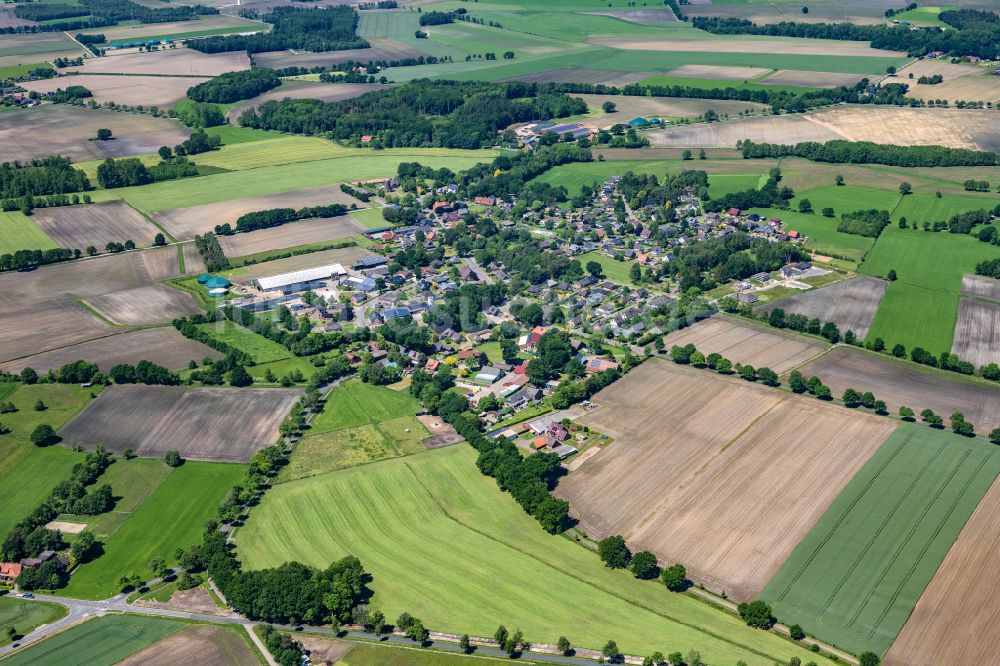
{"x": 14, "y": 95}
{"x": 9, "y": 571}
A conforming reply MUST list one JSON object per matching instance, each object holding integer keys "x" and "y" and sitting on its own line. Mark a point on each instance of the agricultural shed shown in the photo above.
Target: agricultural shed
{"x": 299, "y": 280}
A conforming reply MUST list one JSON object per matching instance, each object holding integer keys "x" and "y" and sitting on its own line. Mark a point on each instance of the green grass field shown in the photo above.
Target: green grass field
{"x": 388, "y": 654}
{"x": 132, "y": 481}
{"x": 616, "y": 271}
{"x": 24, "y": 616}
{"x": 285, "y": 178}
{"x": 17, "y": 71}
{"x": 347, "y": 447}
{"x": 444, "y": 544}
{"x": 370, "y": 218}
{"x": 713, "y": 84}
{"x": 920, "y": 208}
{"x": 573, "y": 176}
{"x": 355, "y": 403}
{"x": 18, "y": 232}
{"x": 822, "y": 232}
{"x": 924, "y": 16}
{"x": 920, "y": 307}
{"x": 171, "y": 517}
{"x": 230, "y": 134}
{"x": 102, "y": 641}
{"x": 857, "y": 575}
{"x": 29, "y": 473}
{"x": 720, "y": 185}
{"x": 848, "y": 198}
{"x": 260, "y": 348}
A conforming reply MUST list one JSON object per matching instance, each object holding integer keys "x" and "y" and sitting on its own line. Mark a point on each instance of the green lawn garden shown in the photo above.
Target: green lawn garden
{"x": 614, "y": 270}
{"x": 444, "y": 544}
{"x": 857, "y": 575}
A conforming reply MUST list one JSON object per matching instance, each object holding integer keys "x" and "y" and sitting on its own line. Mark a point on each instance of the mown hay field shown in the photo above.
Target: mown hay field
{"x": 61, "y": 129}
{"x": 219, "y": 424}
{"x": 325, "y": 92}
{"x": 977, "y": 332}
{"x": 185, "y": 223}
{"x": 857, "y": 575}
{"x": 443, "y": 543}
{"x": 790, "y": 77}
{"x": 172, "y": 517}
{"x": 176, "y": 62}
{"x": 901, "y": 383}
{"x": 722, "y": 73}
{"x": 197, "y": 645}
{"x": 961, "y": 82}
{"x": 94, "y": 224}
{"x": 305, "y": 232}
{"x": 751, "y": 344}
{"x": 102, "y": 641}
{"x": 850, "y": 304}
{"x": 721, "y": 475}
{"x": 956, "y": 618}
{"x": 163, "y": 345}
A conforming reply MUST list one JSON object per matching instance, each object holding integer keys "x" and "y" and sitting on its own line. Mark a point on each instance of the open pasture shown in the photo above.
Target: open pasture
{"x": 899, "y": 383}
{"x": 443, "y": 543}
{"x": 166, "y": 62}
{"x": 172, "y": 517}
{"x": 956, "y": 128}
{"x": 260, "y": 349}
{"x": 145, "y": 91}
{"x": 197, "y": 645}
{"x": 721, "y": 475}
{"x": 850, "y": 304}
{"x": 929, "y": 267}
{"x": 847, "y": 199}
{"x": 920, "y": 208}
{"x": 744, "y": 342}
{"x": 164, "y": 346}
{"x": 978, "y": 286}
{"x": 821, "y": 233}
{"x": 325, "y": 92}
{"x": 19, "y": 232}
{"x": 348, "y": 165}
{"x": 102, "y": 641}
{"x": 61, "y": 129}
{"x": 857, "y": 575}
{"x": 851, "y": 11}
{"x": 94, "y": 224}
{"x": 290, "y": 235}
{"x": 185, "y": 223}
{"x": 219, "y": 424}
{"x": 955, "y": 619}
{"x": 977, "y": 332}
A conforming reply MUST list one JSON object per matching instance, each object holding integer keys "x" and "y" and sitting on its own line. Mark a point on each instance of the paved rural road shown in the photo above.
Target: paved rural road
{"x": 478, "y": 270}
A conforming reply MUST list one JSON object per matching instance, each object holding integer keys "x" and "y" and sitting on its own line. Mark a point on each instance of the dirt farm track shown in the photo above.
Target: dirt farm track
{"x": 714, "y": 472}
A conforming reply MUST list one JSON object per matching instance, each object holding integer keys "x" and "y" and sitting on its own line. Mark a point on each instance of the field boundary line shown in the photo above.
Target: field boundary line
{"x": 550, "y": 565}
{"x": 149, "y": 219}
{"x": 92, "y": 310}
{"x": 877, "y": 532}
{"x": 944, "y": 520}
{"x": 843, "y": 517}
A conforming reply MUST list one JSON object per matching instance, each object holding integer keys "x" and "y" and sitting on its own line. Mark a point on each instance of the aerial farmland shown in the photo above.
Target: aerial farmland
{"x": 432, "y": 331}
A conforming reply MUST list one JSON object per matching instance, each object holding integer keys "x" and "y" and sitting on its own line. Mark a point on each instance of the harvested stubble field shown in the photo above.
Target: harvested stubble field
{"x": 46, "y": 299}
{"x": 961, "y": 82}
{"x": 165, "y": 346}
{"x": 290, "y": 235}
{"x": 791, "y": 77}
{"x": 955, "y": 621}
{"x": 217, "y": 424}
{"x": 850, "y": 304}
{"x": 901, "y": 383}
{"x": 195, "y": 646}
{"x": 978, "y": 286}
{"x": 749, "y": 44}
{"x": 977, "y": 332}
{"x": 726, "y": 478}
{"x": 177, "y": 62}
{"x": 325, "y": 92}
{"x": 94, "y": 224}
{"x": 443, "y": 543}
{"x": 144, "y": 306}
{"x": 185, "y": 223}
{"x": 733, "y": 73}
{"x": 630, "y": 106}
{"x": 857, "y": 575}
{"x": 956, "y": 128}
{"x": 146, "y": 91}
{"x": 382, "y": 49}
{"x": 744, "y": 342}
{"x": 61, "y": 129}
